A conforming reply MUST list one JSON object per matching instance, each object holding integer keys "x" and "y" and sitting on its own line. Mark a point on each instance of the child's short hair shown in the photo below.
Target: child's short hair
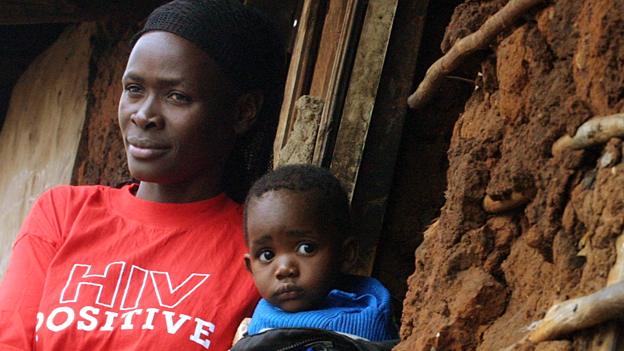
{"x": 331, "y": 200}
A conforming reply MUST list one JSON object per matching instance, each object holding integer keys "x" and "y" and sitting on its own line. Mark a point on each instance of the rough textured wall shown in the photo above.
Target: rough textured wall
{"x": 40, "y": 136}
{"x": 101, "y": 157}
{"x": 419, "y": 182}
{"x": 481, "y": 279}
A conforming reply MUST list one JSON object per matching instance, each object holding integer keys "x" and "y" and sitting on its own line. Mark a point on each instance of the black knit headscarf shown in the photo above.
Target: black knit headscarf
{"x": 246, "y": 46}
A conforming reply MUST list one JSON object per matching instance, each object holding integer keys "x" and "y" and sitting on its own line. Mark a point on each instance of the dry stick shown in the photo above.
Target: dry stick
{"x": 606, "y": 339}
{"x": 465, "y": 46}
{"x": 596, "y": 130}
{"x": 585, "y": 311}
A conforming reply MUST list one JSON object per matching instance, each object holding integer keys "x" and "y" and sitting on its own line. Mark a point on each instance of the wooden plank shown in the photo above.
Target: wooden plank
{"x": 333, "y": 29}
{"x": 331, "y": 81}
{"x": 299, "y": 72}
{"x": 362, "y": 91}
{"x": 42, "y": 130}
{"x": 71, "y": 11}
{"x": 376, "y": 171}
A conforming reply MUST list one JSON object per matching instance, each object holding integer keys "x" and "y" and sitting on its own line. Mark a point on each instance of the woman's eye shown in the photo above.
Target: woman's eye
{"x": 306, "y": 249}
{"x": 266, "y": 256}
{"x": 179, "y": 98}
{"x": 133, "y": 89}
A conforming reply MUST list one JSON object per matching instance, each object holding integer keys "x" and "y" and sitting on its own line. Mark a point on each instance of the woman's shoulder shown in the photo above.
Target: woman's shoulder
{"x": 56, "y": 209}
{"x": 75, "y": 193}
{"x": 65, "y": 199}
{"x": 79, "y": 189}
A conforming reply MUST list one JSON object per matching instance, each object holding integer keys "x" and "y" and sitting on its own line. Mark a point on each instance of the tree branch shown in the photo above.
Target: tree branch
{"x": 465, "y": 46}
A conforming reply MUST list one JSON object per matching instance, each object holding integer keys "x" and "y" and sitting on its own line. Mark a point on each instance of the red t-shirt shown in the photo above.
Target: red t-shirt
{"x": 95, "y": 268}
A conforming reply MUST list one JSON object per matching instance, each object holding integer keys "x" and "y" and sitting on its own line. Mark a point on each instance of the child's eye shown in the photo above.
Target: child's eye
{"x": 306, "y": 249}
{"x": 266, "y": 256}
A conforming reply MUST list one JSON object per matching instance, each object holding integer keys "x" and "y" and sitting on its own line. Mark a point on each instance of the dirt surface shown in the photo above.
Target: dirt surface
{"x": 101, "y": 156}
{"x": 481, "y": 279}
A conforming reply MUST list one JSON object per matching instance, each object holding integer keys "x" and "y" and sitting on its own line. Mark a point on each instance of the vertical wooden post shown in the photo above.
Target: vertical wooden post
{"x": 376, "y": 168}
{"x": 606, "y": 339}
{"x": 335, "y": 71}
{"x": 299, "y": 71}
{"x": 326, "y": 82}
{"x": 362, "y": 91}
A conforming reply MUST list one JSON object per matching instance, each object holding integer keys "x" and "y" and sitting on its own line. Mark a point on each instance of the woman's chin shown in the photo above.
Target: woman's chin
{"x": 147, "y": 174}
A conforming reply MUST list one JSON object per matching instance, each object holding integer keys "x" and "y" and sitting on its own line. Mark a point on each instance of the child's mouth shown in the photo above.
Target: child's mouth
{"x": 288, "y": 292}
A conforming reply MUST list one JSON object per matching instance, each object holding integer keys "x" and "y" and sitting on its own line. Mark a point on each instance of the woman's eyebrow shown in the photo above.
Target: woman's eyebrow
{"x": 167, "y": 82}
{"x": 161, "y": 81}
{"x": 132, "y": 76}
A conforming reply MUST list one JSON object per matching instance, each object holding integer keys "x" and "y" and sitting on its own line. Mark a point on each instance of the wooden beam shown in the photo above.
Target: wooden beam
{"x": 299, "y": 72}
{"x": 17, "y": 12}
{"x": 376, "y": 173}
{"x": 358, "y": 111}
{"x": 362, "y": 91}
{"x": 42, "y": 130}
{"x": 333, "y": 67}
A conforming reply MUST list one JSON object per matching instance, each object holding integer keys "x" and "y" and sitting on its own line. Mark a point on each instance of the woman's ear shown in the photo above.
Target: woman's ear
{"x": 248, "y": 106}
{"x": 248, "y": 263}
{"x": 350, "y": 250}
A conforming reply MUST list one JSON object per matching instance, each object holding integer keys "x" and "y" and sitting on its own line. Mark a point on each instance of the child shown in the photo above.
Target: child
{"x": 297, "y": 228}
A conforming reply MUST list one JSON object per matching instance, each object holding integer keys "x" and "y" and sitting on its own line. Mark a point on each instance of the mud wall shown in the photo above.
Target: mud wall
{"x": 101, "y": 157}
{"x": 40, "y": 135}
{"x": 419, "y": 182}
{"x": 480, "y": 279}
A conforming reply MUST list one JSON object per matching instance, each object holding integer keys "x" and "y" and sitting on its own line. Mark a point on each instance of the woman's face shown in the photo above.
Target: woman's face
{"x": 176, "y": 111}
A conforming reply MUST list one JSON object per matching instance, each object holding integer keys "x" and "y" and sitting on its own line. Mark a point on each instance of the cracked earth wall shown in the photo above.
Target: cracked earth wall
{"x": 480, "y": 278}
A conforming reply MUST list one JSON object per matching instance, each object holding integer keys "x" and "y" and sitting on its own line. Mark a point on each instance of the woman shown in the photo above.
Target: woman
{"x": 154, "y": 265}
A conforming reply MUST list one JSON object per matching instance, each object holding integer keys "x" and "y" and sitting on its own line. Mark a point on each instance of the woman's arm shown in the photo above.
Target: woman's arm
{"x": 22, "y": 286}
{"x": 20, "y": 291}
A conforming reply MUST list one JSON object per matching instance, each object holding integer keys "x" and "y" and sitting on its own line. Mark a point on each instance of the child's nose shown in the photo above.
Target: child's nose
{"x": 286, "y": 268}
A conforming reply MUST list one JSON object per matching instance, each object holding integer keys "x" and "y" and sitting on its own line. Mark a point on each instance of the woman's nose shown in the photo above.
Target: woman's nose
{"x": 286, "y": 268}
{"x": 148, "y": 115}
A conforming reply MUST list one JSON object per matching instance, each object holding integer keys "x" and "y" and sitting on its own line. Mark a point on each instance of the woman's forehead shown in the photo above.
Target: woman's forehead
{"x": 171, "y": 50}
{"x": 170, "y": 57}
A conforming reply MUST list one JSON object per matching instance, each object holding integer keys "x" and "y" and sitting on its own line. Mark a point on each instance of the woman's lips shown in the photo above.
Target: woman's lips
{"x": 145, "y": 153}
{"x": 144, "y": 149}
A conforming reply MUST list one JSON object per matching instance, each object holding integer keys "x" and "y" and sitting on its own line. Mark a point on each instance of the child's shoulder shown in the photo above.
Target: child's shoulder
{"x": 362, "y": 284}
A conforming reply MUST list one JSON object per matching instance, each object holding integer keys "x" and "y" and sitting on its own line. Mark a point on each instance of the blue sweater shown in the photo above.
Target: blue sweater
{"x": 365, "y": 312}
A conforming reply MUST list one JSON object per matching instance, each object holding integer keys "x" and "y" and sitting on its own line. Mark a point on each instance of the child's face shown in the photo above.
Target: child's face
{"x": 294, "y": 256}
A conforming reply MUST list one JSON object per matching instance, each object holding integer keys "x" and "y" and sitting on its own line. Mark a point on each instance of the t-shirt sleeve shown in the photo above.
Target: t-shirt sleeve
{"x": 21, "y": 287}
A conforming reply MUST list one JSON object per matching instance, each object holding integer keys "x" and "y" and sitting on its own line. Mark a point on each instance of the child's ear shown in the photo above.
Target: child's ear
{"x": 248, "y": 262}
{"x": 350, "y": 250}
{"x": 247, "y": 107}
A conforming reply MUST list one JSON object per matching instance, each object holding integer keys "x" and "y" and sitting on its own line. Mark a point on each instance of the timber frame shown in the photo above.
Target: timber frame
{"x": 338, "y": 60}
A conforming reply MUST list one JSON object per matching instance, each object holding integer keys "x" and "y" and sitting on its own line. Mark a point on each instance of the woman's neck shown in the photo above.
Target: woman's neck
{"x": 179, "y": 192}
